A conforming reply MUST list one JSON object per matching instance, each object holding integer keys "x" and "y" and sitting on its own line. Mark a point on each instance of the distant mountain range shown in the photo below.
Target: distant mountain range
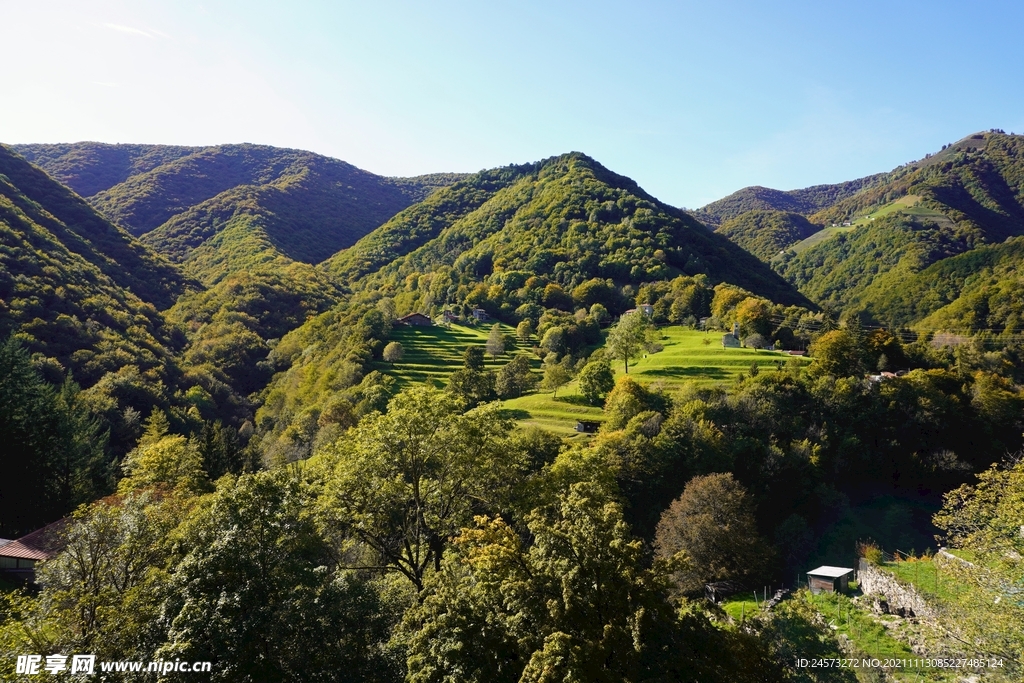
{"x": 249, "y": 199}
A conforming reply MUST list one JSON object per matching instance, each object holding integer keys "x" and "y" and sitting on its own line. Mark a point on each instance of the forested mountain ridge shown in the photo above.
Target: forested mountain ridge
{"x": 75, "y": 289}
{"x": 81, "y": 230}
{"x": 306, "y": 205}
{"x": 968, "y": 195}
{"x": 765, "y": 233}
{"x": 566, "y": 219}
{"x": 803, "y": 201}
{"x": 556, "y": 241}
{"x": 91, "y": 167}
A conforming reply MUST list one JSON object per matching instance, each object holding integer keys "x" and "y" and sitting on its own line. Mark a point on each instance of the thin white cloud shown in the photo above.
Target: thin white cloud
{"x": 128, "y": 29}
{"x": 105, "y": 84}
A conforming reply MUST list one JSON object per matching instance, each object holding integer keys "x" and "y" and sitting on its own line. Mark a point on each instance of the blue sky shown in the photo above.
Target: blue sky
{"x": 692, "y": 99}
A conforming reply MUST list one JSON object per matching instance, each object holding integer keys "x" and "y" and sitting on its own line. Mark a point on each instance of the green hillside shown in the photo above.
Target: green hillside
{"x": 432, "y": 354}
{"x": 91, "y": 167}
{"x": 566, "y": 219}
{"x": 86, "y": 295}
{"x": 82, "y": 231}
{"x": 984, "y": 290}
{"x": 553, "y": 243}
{"x": 685, "y": 360}
{"x": 766, "y": 233}
{"x": 75, "y": 289}
{"x": 304, "y": 205}
{"x": 804, "y": 201}
{"x": 877, "y": 260}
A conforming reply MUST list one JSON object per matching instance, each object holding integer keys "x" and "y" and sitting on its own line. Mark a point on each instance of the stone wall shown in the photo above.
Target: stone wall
{"x": 891, "y": 596}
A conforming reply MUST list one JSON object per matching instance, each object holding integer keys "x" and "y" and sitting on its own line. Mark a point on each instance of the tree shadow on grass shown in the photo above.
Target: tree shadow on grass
{"x": 516, "y": 414}
{"x": 687, "y": 372}
{"x": 573, "y": 399}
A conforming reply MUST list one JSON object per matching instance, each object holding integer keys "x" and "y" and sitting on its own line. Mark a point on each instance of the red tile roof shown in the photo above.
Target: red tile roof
{"x": 41, "y": 544}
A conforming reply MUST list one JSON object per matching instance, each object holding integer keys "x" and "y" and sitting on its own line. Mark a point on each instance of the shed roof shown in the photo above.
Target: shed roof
{"x": 830, "y": 572}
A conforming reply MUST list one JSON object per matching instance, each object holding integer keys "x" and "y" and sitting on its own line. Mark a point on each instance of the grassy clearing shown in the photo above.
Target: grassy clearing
{"x": 687, "y": 358}
{"x": 928, "y": 578}
{"x": 846, "y": 617}
{"x": 740, "y": 608}
{"x": 557, "y": 414}
{"x": 909, "y": 205}
{"x": 433, "y": 353}
{"x": 818, "y": 237}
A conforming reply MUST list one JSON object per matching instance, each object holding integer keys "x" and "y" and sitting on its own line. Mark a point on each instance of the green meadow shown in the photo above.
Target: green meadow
{"x": 909, "y": 205}
{"x": 433, "y": 353}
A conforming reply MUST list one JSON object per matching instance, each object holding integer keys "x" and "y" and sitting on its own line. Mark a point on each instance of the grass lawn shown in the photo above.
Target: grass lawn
{"x": 818, "y": 237}
{"x": 928, "y": 577}
{"x": 433, "y": 353}
{"x": 740, "y": 608}
{"x": 686, "y": 358}
{"x": 860, "y": 626}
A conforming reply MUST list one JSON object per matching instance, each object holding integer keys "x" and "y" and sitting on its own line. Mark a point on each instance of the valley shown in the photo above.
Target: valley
{"x": 396, "y": 409}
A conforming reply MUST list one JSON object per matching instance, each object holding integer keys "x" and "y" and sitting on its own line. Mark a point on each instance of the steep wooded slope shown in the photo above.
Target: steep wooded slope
{"x": 804, "y": 201}
{"x": 566, "y": 219}
{"x": 969, "y": 195}
{"x": 73, "y": 287}
{"x": 81, "y": 230}
{"x": 91, "y": 167}
{"x": 304, "y": 205}
{"x": 980, "y": 291}
{"x": 765, "y": 233}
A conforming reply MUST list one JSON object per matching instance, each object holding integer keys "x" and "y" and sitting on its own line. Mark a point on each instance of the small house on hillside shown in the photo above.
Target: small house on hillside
{"x": 415, "y": 319}
{"x": 481, "y": 315}
{"x": 18, "y": 558}
{"x": 829, "y": 579}
{"x": 646, "y": 309}
{"x": 450, "y": 317}
{"x": 730, "y": 342}
{"x": 587, "y": 427}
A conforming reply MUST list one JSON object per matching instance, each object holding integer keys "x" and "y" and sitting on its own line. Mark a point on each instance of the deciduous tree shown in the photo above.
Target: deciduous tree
{"x": 400, "y": 485}
{"x": 595, "y": 381}
{"x": 712, "y": 524}
{"x": 495, "y": 342}
{"x": 626, "y": 339}
{"x": 393, "y": 352}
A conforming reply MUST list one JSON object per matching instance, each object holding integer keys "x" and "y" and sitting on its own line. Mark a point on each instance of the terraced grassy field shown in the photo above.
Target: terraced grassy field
{"x": 909, "y": 205}
{"x": 433, "y": 353}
